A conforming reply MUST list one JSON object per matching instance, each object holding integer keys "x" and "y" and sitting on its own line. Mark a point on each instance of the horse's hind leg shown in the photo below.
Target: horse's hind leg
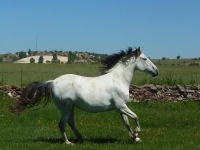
{"x": 62, "y": 124}
{"x": 65, "y": 112}
{"x": 73, "y": 127}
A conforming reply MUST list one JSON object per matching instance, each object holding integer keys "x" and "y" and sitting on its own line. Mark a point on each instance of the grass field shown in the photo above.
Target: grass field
{"x": 164, "y": 126}
{"x": 176, "y": 62}
{"x": 23, "y": 74}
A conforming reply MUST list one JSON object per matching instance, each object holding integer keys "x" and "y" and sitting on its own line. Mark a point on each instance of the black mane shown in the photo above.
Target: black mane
{"x": 113, "y": 59}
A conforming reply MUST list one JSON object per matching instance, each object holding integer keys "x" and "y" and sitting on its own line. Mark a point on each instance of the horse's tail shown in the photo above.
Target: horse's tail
{"x": 32, "y": 95}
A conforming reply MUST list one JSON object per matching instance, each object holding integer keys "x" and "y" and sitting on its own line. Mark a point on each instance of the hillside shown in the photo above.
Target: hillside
{"x": 46, "y": 58}
{"x": 84, "y": 57}
{"x": 62, "y": 57}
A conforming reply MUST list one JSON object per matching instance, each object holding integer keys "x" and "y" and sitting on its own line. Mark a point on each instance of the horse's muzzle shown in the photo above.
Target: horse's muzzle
{"x": 155, "y": 74}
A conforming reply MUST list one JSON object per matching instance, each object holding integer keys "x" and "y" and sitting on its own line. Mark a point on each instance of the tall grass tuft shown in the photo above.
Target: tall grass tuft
{"x": 168, "y": 79}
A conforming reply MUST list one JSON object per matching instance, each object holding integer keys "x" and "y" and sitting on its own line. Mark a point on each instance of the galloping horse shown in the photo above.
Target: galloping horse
{"x": 109, "y": 91}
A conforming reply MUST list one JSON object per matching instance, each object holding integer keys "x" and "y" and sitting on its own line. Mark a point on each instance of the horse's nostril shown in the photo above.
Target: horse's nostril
{"x": 155, "y": 74}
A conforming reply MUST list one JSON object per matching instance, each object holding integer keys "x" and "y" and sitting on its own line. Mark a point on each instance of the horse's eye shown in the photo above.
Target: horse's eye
{"x": 144, "y": 58}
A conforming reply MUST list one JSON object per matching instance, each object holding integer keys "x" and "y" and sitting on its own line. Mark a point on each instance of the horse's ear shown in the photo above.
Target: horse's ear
{"x": 138, "y": 52}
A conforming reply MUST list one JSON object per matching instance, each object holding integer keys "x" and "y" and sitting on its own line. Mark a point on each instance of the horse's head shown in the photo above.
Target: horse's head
{"x": 130, "y": 58}
{"x": 144, "y": 64}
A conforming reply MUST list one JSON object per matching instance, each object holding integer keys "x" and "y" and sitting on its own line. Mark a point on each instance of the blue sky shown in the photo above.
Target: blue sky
{"x": 164, "y": 28}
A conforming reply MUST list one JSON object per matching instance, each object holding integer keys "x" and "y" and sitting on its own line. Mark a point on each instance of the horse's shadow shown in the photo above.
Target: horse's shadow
{"x": 101, "y": 140}
{"x": 49, "y": 140}
{"x": 98, "y": 140}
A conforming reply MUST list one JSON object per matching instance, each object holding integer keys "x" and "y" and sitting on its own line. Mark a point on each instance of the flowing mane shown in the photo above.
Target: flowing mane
{"x": 110, "y": 61}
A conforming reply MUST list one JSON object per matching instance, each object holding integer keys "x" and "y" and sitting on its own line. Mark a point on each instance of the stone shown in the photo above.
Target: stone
{"x": 10, "y": 95}
{"x": 153, "y": 88}
{"x": 135, "y": 100}
{"x": 179, "y": 98}
{"x": 159, "y": 87}
{"x": 190, "y": 91}
{"x": 189, "y": 96}
{"x": 173, "y": 87}
{"x": 181, "y": 89}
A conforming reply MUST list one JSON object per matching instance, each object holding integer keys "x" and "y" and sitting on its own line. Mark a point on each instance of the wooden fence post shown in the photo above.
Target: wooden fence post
{"x": 2, "y": 76}
{"x": 21, "y": 77}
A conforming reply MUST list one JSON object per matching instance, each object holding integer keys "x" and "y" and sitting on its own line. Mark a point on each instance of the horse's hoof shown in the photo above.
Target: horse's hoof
{"x": 135, "y": 134}
{"x": 69, "y": 143}
{"x": 138, "y": 140}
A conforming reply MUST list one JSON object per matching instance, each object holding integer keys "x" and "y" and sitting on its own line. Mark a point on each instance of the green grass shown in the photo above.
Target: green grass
{"x": 23, "y": 74}
{"x": 164, "y": 126}
{"x": 170, "y": 75}
{"x": 176, "y": 62}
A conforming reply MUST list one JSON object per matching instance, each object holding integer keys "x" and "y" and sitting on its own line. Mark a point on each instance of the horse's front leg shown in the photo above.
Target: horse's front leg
{"x": 127, "y": 124}
{"x": 125, "y": 111}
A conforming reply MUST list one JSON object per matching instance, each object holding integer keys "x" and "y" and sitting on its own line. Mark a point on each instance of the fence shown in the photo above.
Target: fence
{"x": 23, "y": 78}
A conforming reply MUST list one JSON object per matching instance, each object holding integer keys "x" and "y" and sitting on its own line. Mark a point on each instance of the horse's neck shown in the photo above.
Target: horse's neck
{"x": 125, "y": 73}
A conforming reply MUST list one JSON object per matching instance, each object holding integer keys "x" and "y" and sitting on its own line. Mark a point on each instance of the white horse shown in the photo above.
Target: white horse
{"x": 109, "y": 91}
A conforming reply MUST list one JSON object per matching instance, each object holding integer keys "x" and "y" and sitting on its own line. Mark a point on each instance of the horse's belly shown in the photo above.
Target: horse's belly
{"x": 93, "y": 106}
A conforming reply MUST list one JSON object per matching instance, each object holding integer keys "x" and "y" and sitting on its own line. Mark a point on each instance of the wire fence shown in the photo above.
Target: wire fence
{"x": 23, "y": 78}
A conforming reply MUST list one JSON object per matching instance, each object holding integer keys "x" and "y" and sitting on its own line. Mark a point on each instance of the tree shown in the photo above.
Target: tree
{"x": 1, "y": 59}
{"x": 55, "y": 58}
{"x": 71, "y": 57}
{"x": 34, "y": 53}
{"x": 29, "y": 52}
{"x": 178, "y": 57}
{"x": 56, "y": 61}
{"x": 14, "y": 58}
{"x": 22, "y": 55}
{"x": 164, "y": 58}
{"x": 40, "y": 60}
{"x": 32, "y": 60}
{"x": 48, "y": 62}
